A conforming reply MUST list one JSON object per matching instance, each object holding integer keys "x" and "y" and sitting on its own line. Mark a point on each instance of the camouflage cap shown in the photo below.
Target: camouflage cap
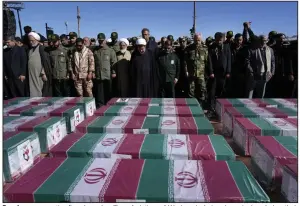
{"x": 54, "y": 38}
{"x": 101, "y": 36}
{"x": 114, "y": 35}
{"x": 170, "y": 37}
{"x": 63, "y": 36}
{"x": 72, "y": 34}
{"x": 229, "y": 34}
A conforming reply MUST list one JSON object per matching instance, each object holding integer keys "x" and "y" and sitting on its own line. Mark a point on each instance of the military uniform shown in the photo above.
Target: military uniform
{"x": 114, "y": 44}
{"x": 133, "y": 44}
{"x": 196, "y": 62}
{"x": 59, "y": 62}
{"x": 169, "y": 70}
{"x": 81, "y": 64}
{"x": 105, "y": 58}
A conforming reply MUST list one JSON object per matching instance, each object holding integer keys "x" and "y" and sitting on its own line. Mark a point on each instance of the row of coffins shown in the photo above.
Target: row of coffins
{"x": 266, "y": 130}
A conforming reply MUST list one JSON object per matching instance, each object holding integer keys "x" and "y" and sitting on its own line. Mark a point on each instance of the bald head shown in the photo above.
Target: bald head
{"x": 197, "y": 39}
{"x": 86, "y": 41}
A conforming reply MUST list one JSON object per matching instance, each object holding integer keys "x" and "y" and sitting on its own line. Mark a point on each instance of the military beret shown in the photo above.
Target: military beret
{"x": 272, "y": 33}
{"x": 101, "y": 36}
{"x": 218, "y": 35}
{"x": 114, "y": 35}
{"x": 63, "y": 36}
{"x": 72, "y": 34}
{"x": 170, "y": 37}
{"x": 229, "y": 34}
{"x": 54, "y": 37}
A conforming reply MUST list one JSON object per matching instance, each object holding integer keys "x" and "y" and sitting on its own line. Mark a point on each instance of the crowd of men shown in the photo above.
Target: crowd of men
{"x": 227, "y": 66}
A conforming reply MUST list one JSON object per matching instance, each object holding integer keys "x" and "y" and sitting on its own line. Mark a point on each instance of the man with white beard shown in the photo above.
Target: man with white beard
{"x": 144, "y": 74}
{"x": 39, "y": 68}
{"x": 121, "y": 82}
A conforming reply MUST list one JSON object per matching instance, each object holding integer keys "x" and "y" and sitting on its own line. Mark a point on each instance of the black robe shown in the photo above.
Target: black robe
{"x": 45, "y": 58}
{"x": 144, "y": 75}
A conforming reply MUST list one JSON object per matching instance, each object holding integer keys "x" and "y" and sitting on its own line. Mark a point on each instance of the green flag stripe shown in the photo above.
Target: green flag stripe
{"x": 244, "y": 180}
{"x": 113, "y": 110}
{"x": 153, "y": 147}
{"x": 154, "y": 181}
{"x": 289, "y": 111}
{"x": 267, "y": 129}
{"x": 99, "y": 124}
{"x": 290, "y": 143}
{"x": 152, "y": 124}
{"x": 61, "y": 180}
{"x": 85, "y": 146}
{"x": 155, "y": 110}
{"x": 245, "y": 110}
{"x": 196, "y": 110}
{"x": 31, "y": 112}
{"x": 205, "y": 126}
{"x": 221, "y": 148}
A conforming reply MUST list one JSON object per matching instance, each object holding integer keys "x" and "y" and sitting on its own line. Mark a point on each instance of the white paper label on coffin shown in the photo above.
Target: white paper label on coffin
{"x": 25, "y": 155}
{"x": 55, "y": 134}
{"x": 120, "y": 156}
{"x": 140, "y": 131}
{"x": 90, "y": 108}
{"x": 122, "y": 100}
{"x": 74, "y": 121}
{"x": 36, "y": 148}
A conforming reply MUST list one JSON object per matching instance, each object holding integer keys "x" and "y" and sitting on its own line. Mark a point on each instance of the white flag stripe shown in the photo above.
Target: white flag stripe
{"x": 107, "y": 145}
{"x": 13, "y": 125}
{"x": 116, "y": 124}
{"x": 46, "y": 110}
{"x": 248, "y": 102}
{"x": 127, "y": 110}
{"x": 169, "y": 110}
{"x": 8, "y": 109}
{"x": 285, "y": 102}
{"x": 168, "y": 101}
{"x": 177, "y": 147}
{"x": 134, "y": 101}
{"x": 168, "y": 125}
{"x": 287, "y": 129}
{"x": 261, "y": 112}
{"x": 90, "y": 185}
{"x": 187, "y": 185}
{"x": 62, "y": 101}
{"x": 30, "y": 100}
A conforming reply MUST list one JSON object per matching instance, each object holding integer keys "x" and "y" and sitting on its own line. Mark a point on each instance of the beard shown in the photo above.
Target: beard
{"x": 123, "y": 51}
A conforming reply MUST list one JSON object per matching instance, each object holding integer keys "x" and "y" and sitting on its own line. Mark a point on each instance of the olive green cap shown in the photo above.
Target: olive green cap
{"x": 54, "y": 38}
{"x": 229, "y": 34}
{"x": 101, "y": 36}
{"x": 72, "y": 34}
{"x": 272, "y": 33}
{"x": 63, "y": 36}
{"x": 114, "y": 35}
{"x": 209, "y": 38}
{"x": 170, "y": 37}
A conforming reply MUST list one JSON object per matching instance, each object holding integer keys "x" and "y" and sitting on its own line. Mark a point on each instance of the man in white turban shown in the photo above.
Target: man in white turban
{"x": 121, "y": 82}
{"x": 144, "y": 75}
{"x": 39, "y": 68}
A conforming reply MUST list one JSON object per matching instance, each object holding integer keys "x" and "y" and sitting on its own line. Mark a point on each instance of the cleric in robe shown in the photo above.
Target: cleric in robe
{"x": 144, "y": 75}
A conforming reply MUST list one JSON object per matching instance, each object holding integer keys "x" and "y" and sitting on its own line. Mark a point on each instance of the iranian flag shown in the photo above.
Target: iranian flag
{"x": 21, "y": 150}
{"x": 282, "y": 102}
{"x": 146, "y": 125}
{"x": 123, "y": 180}
{"x": 28, "y": 100}
{"x": 51, "y": 130}
{"x": 260, "y": 112}
{"x": 139, "y": 146}
{"x": 74, "y": 115}
{"x": 270, "y": 154}
{"x": 137, "y": 110}
{"x": 13, "y": 110}
{"x": 245, "y": 128}
{"x": 154, "y": 101}
{"x": 289, "y": 187}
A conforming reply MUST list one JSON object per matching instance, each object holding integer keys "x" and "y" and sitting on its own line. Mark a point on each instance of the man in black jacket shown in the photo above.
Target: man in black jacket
{"x": 220, "y": 69}
{"x": 169, "y": 69}
{"x": 260, "y": 67}
{"x": 14, "y": 62}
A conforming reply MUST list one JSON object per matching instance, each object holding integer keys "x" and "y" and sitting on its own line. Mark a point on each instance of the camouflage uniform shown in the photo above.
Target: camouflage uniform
{"x": 196, "y": 62}
{"x": 82, "y": 63}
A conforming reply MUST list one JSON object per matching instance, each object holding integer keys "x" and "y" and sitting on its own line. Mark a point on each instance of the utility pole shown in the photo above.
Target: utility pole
{"x": 66, "y": 24}
{"x": 78, "y": 21}
{"x": 18, "y": 6}
{"x": 194, "y": 18}
{"x": 46, "y": 30}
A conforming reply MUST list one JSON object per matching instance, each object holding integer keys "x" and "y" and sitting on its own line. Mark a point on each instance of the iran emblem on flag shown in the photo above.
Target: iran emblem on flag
{"x": 168, "y": 122}
{"x": 128, "y": 108}
{"x": 186, "y": 179}
{"x": 280, "y": 123}
{"x": 95, "y": 175}
{"x": 117, "y": 122}
{"x": 169, "y": 108}
{"x": 176, "y": 143}
{"x": 109, "y": 142}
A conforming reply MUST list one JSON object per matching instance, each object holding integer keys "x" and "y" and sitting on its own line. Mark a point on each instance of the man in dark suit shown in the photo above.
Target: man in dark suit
{"x": 260, "y": 67}
{"x": 14, "y": 62}
{"x": 219, "y": 71}
{"x": 152, "y": 45}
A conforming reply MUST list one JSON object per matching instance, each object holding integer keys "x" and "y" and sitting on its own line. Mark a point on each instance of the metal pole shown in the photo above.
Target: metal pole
{"x": 78, "y": 21}
{"x": 46, "y": 30}
{"x": 19, "y": 20}
{"x": 194, "y": 20}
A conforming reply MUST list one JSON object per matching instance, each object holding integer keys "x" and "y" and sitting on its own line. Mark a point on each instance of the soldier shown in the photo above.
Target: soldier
{"x": 105, "y": 58}
{"x": 229, "y": 38}
{"x": 220, "y": 70}
{"x": 86, "y": 41}
{"x": 72, "y": 38}
{"x": 133, "y": 44}
{"x": 64, "y": 40}
{"x": 209, "y": 41}
{"x": 82, "y": 67}
{"x": 171, "y": 38}
{"x": 59, "y": 64}
{"x": 162, "y": 42}
{"x": 197, "y": 63}
{"x": 182, "y": 86}
{"x": 272, "y": 39}
{"x": 151, "y": 38}
{"x": 169, "y": 69}
{"x": 93, "y": 42}
{"x": 114, "y": 42}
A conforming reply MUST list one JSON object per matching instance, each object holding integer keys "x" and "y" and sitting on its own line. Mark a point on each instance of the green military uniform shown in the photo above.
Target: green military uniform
{"x": 59, "y": 62}
{"x": 208, "y": 42}
{"x": 196, "y": 63}
{"x": 105, "y": 58}
{"x": 114, "y": 44}
{"x": 169, "y": 70}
